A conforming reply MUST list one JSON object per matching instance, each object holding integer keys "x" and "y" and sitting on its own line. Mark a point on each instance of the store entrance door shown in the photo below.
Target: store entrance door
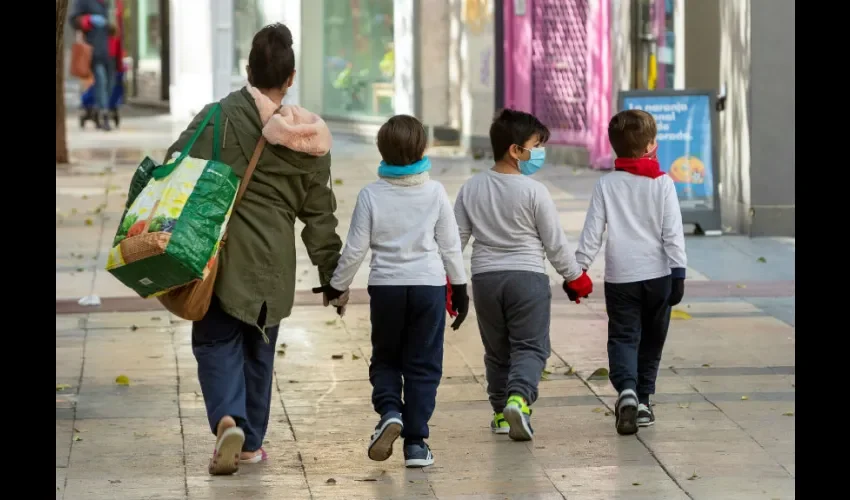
{"x": 657, "y": 26}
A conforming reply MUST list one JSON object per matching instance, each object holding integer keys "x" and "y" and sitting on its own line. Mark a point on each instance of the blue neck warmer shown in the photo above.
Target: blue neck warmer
{"x": 386, "y": 170}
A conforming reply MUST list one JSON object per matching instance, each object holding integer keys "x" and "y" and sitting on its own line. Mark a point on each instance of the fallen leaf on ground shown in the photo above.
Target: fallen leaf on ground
{"x": 338, "y": 182}
{"x": 635, "y": 484}
{"x": 354, "y": 357}
{"x": 114, "y": 481}
{"x": 678, "y": 314}
{"x": 77, "y": 438}
{"x": 545, "y": 375}
{"x": 762, "y": 260}
{"x": 85, "y": 197}
{"x": 122, "y": 380}
{"x": 197, "y": 394}
{"x": 684, "y": 405}
{"x": 281, "y": 352}
{"x": 367, "y": 480}
{"x": 788, "y": 414}
{"x": 741, "y": 286}
{"x": 77, "y": 430}
{"x": 89, "y": 222}
{"x": 597, "y": 410}
{"x": 693, "y": 476}
{"x": 706, "y": 365}
{"x": 744, "y": 398}
{"x": 608, "y": 413}
{"x": 336, "y": 356}
{"x": 599, "y": 373}
{"x": 330, "y": 481}
{"x": 62, "y": 387}
{"x": 330, "y": 322}
{"x": 571, "y": 371}
{"x": 133, "y": 328}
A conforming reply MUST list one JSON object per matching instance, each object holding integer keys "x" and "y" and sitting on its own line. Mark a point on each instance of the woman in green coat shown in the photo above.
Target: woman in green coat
{"x": 234, "y": 343}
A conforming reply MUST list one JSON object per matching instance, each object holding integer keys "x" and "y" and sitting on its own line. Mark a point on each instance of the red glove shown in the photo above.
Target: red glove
{"x": 579, "y": 288}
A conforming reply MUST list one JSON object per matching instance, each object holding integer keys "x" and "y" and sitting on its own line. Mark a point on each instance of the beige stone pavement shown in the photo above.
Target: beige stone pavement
{"x": 725, "y": 403}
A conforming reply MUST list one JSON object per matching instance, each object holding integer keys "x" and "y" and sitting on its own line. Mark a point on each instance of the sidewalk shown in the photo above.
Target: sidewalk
{"x": 725, "y": 401}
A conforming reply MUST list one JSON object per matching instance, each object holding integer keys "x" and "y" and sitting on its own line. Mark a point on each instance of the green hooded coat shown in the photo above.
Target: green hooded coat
{"x": 257, "y": 265}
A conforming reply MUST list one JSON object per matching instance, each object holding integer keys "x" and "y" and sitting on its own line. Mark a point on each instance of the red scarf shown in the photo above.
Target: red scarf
{"x": 646, "y": 166}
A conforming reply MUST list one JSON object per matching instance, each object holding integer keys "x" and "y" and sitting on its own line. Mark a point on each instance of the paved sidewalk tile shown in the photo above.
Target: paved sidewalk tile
{"x": 725, "y": 425}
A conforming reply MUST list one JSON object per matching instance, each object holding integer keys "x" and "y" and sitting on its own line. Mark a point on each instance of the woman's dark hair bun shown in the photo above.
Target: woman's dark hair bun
{"x": 272, "y": 60}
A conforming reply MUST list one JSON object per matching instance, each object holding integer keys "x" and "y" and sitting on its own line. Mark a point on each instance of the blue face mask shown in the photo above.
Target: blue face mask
{"x": 534, "y": 162}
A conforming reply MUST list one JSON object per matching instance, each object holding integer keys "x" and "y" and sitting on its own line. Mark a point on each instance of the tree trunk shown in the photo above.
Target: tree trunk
{"x": 61, "y": 133}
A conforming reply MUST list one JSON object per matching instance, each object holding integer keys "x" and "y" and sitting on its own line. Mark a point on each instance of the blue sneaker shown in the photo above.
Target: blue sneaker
{"x": 386, "y": 432}
{"x": 417, "y": 455}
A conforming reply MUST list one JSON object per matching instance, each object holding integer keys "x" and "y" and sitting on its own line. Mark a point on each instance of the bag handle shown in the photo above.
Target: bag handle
{"x": 164, "y": 171}
{"x": 243, "y": 186}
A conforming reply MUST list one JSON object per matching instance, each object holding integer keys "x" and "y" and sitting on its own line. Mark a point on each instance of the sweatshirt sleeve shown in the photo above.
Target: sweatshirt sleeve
{"x": 552, "y": 235}
{"x": 464, "y": 225}
{"x": 672, "y": 232}
{"x": 356, "y": 244}
{"x": 590, "y": 240}
{"x": 448, "y": 240}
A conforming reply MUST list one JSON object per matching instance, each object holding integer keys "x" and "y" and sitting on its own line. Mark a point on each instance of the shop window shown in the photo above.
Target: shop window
{"x": 149, "y": 36}
{"x": 359, "y": 60}
{"x": 248, "y": 19}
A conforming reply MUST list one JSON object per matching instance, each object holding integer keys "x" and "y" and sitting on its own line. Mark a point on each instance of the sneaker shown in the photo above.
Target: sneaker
{"x": 645, "y": 416}
{"x": 386, "y": 432}
{"x": 499, "y": 425}
{"x": 518, "y": 415}
{"x": 417, "y": 455}
{"x": 625, "y": 412}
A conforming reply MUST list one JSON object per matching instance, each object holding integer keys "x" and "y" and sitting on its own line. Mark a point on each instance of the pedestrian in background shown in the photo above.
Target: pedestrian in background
{"x": 93, "y": 18}
{"x": 406, "y": 220}
{"x": 234, "y": 344}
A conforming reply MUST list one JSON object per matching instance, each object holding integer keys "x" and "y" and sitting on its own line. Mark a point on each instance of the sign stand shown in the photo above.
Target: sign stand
{"x": 687, "y": 148}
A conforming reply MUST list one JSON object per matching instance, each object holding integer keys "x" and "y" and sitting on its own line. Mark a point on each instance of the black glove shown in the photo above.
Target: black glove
{"x": 572, "y": 294}
{"x": 677, "y": 291}
{"x": 460, "y": 304}
{"x": 330, "y": 293}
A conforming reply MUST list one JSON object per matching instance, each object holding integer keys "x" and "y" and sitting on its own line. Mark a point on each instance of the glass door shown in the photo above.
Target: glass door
{"x": 654, "y": 29}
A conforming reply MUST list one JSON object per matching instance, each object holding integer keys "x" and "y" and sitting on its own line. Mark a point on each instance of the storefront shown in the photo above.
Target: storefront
{"x": 359, "y": 60}
{"x": 146, "y": 40}
{"x": 556, "y": 65}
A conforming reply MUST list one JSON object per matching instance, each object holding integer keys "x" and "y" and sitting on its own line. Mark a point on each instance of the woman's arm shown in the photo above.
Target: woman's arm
{"x": 356, "y": 244}
{"x": 319, "y": 234}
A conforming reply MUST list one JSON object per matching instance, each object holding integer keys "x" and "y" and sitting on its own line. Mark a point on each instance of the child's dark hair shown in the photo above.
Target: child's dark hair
{"x": 514, "y": 127}
{"x": 402, "y": 140}
{"x": 630, "y": 132}
{"x": 271, "y": 61}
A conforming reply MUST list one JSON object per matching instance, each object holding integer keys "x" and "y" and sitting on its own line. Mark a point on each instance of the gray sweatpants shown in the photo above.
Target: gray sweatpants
{"x": 513, "y": 310}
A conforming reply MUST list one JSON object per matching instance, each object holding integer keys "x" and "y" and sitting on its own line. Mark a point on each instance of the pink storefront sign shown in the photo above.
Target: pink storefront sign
{"x": 557, "y": 61}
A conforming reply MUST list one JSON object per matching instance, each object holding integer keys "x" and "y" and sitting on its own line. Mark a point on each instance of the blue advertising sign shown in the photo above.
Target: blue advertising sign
{"x": 685, "y": 142}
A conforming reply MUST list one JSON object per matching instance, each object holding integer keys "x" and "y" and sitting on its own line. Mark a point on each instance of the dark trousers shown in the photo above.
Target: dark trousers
{"x": 235, "y": 368}
{"x": 408, "y": 324}
{"x": 513, "y": 310}
{"x": 638, "y": 319}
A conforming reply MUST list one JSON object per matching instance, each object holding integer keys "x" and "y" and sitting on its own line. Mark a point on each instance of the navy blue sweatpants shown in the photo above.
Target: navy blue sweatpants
{"x": 235, "y": 369}
{"x": 408, "y": 324}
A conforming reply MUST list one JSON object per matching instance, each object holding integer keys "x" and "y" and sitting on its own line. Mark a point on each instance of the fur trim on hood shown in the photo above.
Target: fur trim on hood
{"x": 292, "y": 126}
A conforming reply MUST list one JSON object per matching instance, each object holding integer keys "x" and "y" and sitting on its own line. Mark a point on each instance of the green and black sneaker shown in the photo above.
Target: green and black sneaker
{"x": 518, "y": 415}
{"x": 499, "y": 425}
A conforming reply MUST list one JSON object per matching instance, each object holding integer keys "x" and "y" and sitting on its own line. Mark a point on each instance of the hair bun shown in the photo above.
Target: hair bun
{"x": 278, "y": 33}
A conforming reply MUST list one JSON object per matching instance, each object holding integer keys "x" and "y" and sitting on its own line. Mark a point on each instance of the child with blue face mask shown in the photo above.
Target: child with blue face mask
{"x": 515, "y": 225}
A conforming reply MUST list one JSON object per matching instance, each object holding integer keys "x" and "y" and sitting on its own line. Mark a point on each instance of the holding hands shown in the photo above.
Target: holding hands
{"x": 334, "y": 297}
{"x": 579, "y": 288}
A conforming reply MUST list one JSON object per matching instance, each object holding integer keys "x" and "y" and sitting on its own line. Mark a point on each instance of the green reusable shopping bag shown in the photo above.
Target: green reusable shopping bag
{"x": 171, "y": 232}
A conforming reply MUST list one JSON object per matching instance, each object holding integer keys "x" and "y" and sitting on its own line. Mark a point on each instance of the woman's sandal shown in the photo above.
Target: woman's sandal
{"x": 228, "y": 448}
{"x": 257, "y": 458}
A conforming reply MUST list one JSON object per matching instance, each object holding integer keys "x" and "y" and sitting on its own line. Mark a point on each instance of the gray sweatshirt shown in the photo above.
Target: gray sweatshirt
{"x": 645, "y": 235}
{"x": 514, "y": 222}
